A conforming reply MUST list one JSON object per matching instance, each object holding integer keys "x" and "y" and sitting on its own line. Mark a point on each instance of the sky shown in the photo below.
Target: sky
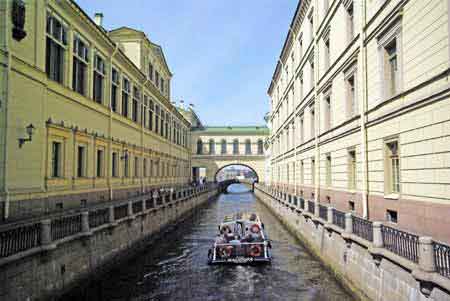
{"x": 222, "y": 53}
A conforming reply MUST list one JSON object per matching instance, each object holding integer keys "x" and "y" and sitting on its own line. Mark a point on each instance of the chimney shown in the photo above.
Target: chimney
{"x": 98, "y": 19}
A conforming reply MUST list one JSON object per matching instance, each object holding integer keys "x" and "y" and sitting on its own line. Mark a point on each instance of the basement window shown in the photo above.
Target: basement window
{"x": 392, "y": 216}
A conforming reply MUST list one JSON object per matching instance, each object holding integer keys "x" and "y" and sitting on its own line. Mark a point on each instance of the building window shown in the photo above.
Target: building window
{"x": 157, "y": 79}
{"x": 235, "y": 146}
{"x": 392, "y": 169}
{"x": 327, "y": 112}
{"x": 223, "y": 148}
{"x": 163, "y": 116}
{"x": 311, "y": 75}
{"x": 81, "y": 161}
{"x": 157, "y": 112}
{"x": 350, "y": 22}
{"x": 56, "y": 160}
{"x": 136, "y": 167}
{"x": 212, "y": 147}
{"x": 145, "y": 168}
{"x": 135, "y": 105}
{"x": 328, "y": 170}
{"x": 145, "y": 112}
{"x": 150, "y": 72}
{"x": 313, "y": 171}
{"x": 99, "y": 75}
{"x": 162, "y": 85}
{"x": 114, "y": 89}
{"x": 302, "y": 172}
{"x": 352, "y": 169}
{"x": 126, "y": 167}
{"x": 80, "y": 65}
{"x": 248, "y": 147}
{"x": 392, "y": 216}
{"x": 312, "y": 121}
{"x": 56, "y": 43}
{"x": 311, "y": 25}
{"x": 302, "y": 130}
{"x": 126, "y": 89}
{"x": 100, "y": 163}
{"x": 114, "y": 162}
{"x": 351, "y": 99}
{"x": 351, "y": 206}
{"x": 326, "y": 58}
{"x": 260, "y": 147}
{"x": 199, "y": 147}
{"x": 391, "y": 68}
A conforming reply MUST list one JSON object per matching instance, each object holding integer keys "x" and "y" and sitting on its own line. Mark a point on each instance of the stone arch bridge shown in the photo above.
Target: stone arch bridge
{"x": 214, "y": 148}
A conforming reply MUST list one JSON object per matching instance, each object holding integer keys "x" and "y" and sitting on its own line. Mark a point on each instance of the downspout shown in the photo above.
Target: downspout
{"x": 110, "y": 126}
{"x": 363, "y": 82}
{"x": 6, "y": 96}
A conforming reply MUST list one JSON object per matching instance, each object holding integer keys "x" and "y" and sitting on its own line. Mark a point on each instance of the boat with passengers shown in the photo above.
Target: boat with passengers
{"x": 241, "y": 240}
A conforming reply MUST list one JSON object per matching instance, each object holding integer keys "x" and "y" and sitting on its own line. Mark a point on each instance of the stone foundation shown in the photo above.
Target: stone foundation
{"x": 369, "y": 276}
{"x": 49, "y": 272}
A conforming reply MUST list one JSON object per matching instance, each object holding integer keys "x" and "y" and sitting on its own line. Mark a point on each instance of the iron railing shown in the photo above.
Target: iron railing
{"x": 98, "y": 217}
{"x": 401, "y": 243}
{"x": 65, "y": 226}
{"x": 20, "y": 239}
{"x": 120, "y": 211}
{"x": 339, "y": 218}
{"x": 323, "y": 212}
{"x": 362, "y": 228}
{"x": 311, "y": 208}
{"x": 149, "y": 203}
{"x": 442, "y": 258}
{"x": 137, "y": 207}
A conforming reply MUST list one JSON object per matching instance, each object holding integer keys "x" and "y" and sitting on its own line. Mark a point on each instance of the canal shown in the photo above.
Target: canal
{"x": 176, "y": 269}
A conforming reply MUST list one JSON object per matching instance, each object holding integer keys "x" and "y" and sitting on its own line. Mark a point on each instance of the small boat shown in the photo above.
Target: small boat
{"x": 241, "y": 240}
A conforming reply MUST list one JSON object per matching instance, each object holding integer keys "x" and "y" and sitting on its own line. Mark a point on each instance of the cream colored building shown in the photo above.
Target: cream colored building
{"x": 214, "y": 148}
{"x": 99, "y": 102}
{"x": 360, "y": 110}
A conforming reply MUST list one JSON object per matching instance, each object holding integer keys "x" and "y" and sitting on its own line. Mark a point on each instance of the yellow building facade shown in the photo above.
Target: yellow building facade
{"x": 103, "y": 126}
{"x": 360, "y": 110}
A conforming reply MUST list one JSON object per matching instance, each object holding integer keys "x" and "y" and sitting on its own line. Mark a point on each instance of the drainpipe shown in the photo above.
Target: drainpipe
{"x": 110, "y": 126}
{"x": 316, "y": 109}
{"x": 363, "y": 82}
{"x": 6, "y": 97}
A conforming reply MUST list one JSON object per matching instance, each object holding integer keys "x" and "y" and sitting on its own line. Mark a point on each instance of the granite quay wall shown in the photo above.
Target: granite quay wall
{"x": 374, "y": 260}
{"x": 43, "y": 259}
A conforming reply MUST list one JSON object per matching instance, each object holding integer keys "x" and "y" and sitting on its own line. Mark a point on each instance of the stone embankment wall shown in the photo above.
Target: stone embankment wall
{"x": 365, "y": 266}
{"x": 99, "y": 239}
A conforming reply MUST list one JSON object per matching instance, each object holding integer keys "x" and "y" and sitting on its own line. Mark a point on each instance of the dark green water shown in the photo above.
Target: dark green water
{"x": 176, "y": 269}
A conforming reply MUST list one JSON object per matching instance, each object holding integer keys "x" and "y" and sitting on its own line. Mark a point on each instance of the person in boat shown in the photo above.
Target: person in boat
{"x": 220, "y": 239}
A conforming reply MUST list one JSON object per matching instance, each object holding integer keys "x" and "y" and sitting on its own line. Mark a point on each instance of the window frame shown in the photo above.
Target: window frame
{"x": 393, "y": 32}
{"x": 80, "y": 60}
{"x": 60, "y": 42}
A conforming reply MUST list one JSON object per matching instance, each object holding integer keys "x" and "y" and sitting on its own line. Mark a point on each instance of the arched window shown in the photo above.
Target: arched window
{"x": 223, "y": 148}
{"x": 212, "y": 147}
{"x": 235, "y": 147}
{"x": 260, "y": 147}
{"x": 199, "y": 146}
{"x": 248, "y": 147}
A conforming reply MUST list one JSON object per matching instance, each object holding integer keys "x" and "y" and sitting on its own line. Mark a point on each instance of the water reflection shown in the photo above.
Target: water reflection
{"x": 176, "y": 269}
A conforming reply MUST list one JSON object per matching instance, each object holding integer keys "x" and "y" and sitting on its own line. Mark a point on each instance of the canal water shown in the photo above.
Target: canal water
{"x": 176, "y": 269}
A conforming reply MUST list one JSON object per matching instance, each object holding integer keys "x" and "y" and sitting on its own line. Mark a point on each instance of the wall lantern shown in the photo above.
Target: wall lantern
{"x": 30, "y": 128}
{"x": 18, "y": 19}
{"x": 125, "y": 155}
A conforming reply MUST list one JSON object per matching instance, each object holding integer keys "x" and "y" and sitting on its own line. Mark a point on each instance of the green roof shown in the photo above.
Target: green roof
{"x": 225, "y": 130}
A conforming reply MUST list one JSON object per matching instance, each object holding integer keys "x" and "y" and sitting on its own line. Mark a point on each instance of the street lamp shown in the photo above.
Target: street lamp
{"x": 30, "y": 128}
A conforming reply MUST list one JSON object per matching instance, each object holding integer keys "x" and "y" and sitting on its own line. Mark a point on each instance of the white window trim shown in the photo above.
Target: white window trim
{"x": 394, "y": 32}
